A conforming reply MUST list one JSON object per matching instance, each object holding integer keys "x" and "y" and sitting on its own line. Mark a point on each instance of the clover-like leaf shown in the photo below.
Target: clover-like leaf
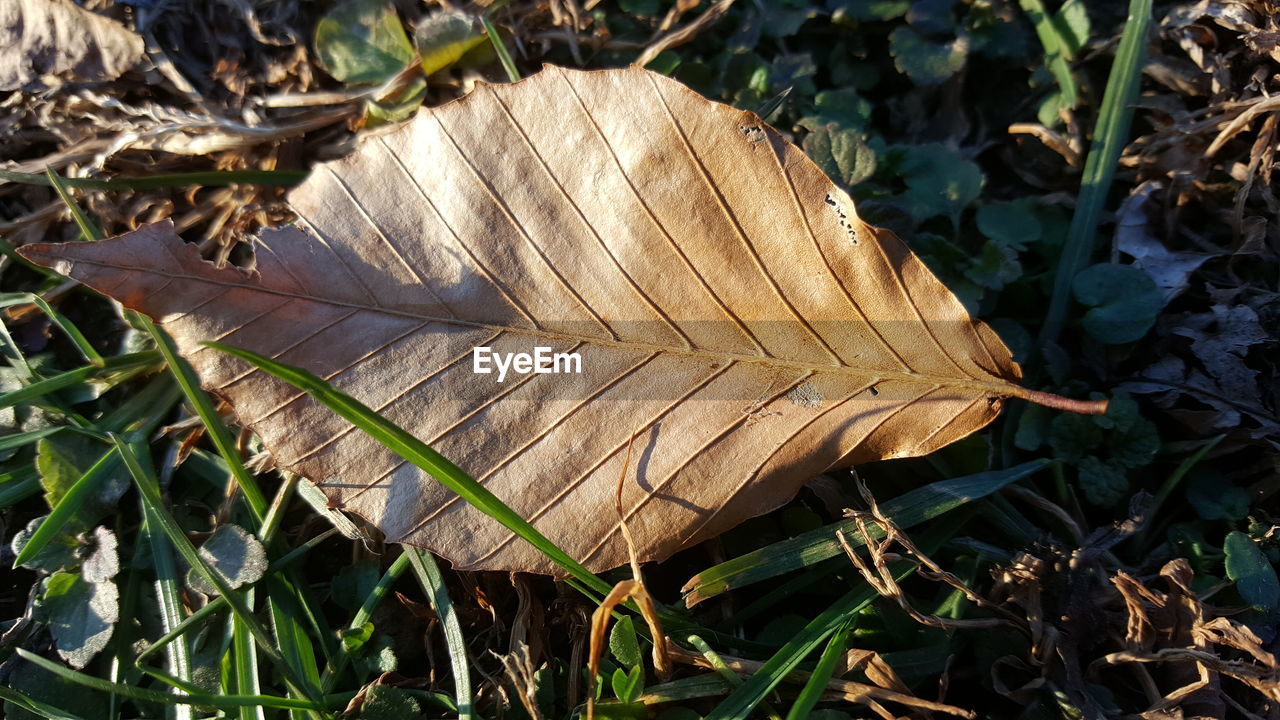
{"x": 1252, "y": 573}
{"x": 81, "y": 615}
{"x": 232, "y": 553}
{"x": 1123, "y": 302}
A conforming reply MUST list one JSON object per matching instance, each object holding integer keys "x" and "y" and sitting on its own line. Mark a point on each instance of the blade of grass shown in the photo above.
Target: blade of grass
{"x": 727, "y": 675}
{"x": 18, "y": 485}
{"x": 245, "y": 659}
{"x": 35, "y": 707}
{"x": 812, "y": 691}
{"x": 218, "y": 432}
{"x": 69, "y": 328}
{"x": 1058, "y": 53}
{"x": 1109, "y": 136}
{"x": 89, "y": 230}
{"x": 61, "y": 381}
{"x": 417, "y": 452}
{"x": 225, "y": 702}
{"x": 218, "y": 604}
{"x": 432, "y": 581}
{"x": 18, "y": 440}
{"x": 840, "y": 614}
{"x": 67, "y": 507}
{"x": 499, "y": 46}
{"x": 362, "y": 616}
{"x": 149, "y": 488}
{"x": 169, "y": 598}
{"x": 168, "y": 180}
{"x": 814, "y": 546}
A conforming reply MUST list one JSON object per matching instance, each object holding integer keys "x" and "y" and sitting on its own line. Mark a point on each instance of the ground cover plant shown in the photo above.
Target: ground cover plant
{"x": 1092, "y": 179}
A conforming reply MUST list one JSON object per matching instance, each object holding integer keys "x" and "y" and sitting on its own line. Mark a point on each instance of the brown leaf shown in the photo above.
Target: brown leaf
{"x": 726, "y": 301}
{"x": 40, "y": 38}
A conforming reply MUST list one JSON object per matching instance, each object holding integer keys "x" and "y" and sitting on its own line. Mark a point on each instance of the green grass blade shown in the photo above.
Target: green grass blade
{"x": 226, "y": 702}
{"x": 362, "y": 616}
{"x": 812, "y": 547}
{"x": 17, "y": 440}
{"x": 149, "y": 488}
{"x": 67, "y": 507}
{"x": 88, "y": 228}
{"x": 169, "y": 597}
{"x": 1058, "y": 53}
{"x": 245, "y": 659}
{"x": 61, "y": 381}
{"x": 218, "y": 433}
{"x": 756, "y": 688}
{"x": 219, "y": 603}
{"x": 18, "y": 485}
{"x": 168, "y": 180}
{"x": 817, "y": 683}
{"x": 1100, "y": 165}
{"x": 35, "y": 707}
{"x": 432, "y": 581}
{"x": 57, "y": 318}
{"x": 417, "y": 452}
{"x": 499, "y": 46}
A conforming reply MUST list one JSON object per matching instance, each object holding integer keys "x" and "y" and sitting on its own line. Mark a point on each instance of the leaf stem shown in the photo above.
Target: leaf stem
{"x": 1057, "y": 402}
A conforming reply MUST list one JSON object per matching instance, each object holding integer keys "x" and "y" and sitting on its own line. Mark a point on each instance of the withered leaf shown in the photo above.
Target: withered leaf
{"x": 725, "y": 300}
{"x": 41, "y": 38}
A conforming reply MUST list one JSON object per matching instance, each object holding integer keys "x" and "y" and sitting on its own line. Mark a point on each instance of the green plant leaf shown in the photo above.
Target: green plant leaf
{"x": 633, "y": 686}
{"x": 842, "y": 154}
{"x": 1124, "y": 302}
{"x": 1213, "y": 497}
{"x": 444, "y": 37}
{"x": 1253, "y": 575}
{"x": 353, "y": 584}
{"x": 81, "y": 615}
{"x": 924, "y": 61}
{"x": 1103, "y": 483}
{"x": 362, "y": 42}
{"x": 843, "y": 107}
{"x": 940, "y": 181}
{"x": 385, "y": 702}
{"x": 1012, "y": 224}
{"x": 624, "y": 644}
{"x": 33, "y": 693}
{"x": 996, "y": 266}
{"x": 234, "y": 554}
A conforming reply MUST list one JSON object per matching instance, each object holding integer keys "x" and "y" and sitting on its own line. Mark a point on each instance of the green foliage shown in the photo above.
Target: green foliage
{"x": 1010, "y": 223}
{"x": 924, "y": 61}
{"x": 81, "y": 614}
{"x": 442, "y": 39}
{"x": 1213, "y": 497}
{"x": 384, "y": 702}
{"x": 234, "y": 554}
{"x": 353, "y": 583}
{"x": 842, "y": 154}
{"x": 362, "y": 42}
{"x": 624, "y": 644}
{"x": 1252, "y": 572}
{"x": 1124, "y": 302}
{"x": 627, "y": 685}
{"x": 940, "y": 180}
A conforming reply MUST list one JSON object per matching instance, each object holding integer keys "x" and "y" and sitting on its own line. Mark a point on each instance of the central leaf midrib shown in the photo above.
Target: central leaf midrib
{"x": 996, "y": 386}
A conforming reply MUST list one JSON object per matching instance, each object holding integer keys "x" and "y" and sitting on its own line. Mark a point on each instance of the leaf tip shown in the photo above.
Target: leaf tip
{"x": 46, "y": 255}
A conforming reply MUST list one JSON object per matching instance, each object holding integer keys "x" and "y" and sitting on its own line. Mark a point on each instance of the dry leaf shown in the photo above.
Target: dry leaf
{"x": 40, "y": 38}
{"x": 726, "y": 302}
